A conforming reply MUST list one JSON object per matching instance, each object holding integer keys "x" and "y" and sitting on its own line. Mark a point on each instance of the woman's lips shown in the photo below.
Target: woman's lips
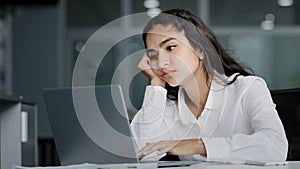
{"x": 167, "y": 74}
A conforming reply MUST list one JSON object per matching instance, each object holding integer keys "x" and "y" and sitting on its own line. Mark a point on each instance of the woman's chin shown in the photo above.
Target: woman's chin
{"x": 173, "y": 83}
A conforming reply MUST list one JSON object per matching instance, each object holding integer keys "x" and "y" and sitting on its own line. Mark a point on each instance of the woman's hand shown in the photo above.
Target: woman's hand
{"x": 174, "y": 147}
{"x": 144, "y": 66}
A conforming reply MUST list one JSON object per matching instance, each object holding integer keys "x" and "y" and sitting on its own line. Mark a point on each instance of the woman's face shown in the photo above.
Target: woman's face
{"x": 172, "y": 58}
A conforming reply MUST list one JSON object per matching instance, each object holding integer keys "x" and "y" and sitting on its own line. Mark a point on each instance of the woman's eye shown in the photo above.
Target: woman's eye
{"x": 170, "y": 48}
{"x": 152, "y": 54}
{"x": 153, "y": 57}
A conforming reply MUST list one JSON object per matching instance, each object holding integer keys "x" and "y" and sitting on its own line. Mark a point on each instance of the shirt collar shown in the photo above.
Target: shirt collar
{"x": 214, "y": 101}
{"x": 215, "y": 95}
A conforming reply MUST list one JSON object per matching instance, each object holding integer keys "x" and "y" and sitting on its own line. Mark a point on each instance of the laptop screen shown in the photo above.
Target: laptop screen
{"x": 94, "y": 128}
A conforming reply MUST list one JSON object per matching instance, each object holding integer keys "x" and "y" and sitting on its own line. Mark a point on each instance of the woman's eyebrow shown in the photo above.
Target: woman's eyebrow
{"x": 150, "y": 50}
{"x": 165, "y": 41}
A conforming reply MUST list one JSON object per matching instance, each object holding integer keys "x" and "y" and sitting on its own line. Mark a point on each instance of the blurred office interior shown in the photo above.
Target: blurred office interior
{"x": 41, "y": 39}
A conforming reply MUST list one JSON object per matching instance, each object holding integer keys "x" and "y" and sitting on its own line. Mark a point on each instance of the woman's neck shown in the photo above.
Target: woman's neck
{"x": 197, "y": 90}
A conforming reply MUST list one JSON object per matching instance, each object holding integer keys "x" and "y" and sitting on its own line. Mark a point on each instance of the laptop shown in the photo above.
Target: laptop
{"x": 90, "y": 125}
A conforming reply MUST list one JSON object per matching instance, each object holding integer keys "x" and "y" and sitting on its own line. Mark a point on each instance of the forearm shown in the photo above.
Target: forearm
{"x": 147, "y": 124}
{"x": 157, "y": 82}
{"x": 259, "y": 146}
{"x": 200, "y": 147}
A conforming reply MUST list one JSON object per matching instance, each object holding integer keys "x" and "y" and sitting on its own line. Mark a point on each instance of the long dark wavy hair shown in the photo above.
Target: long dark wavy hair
{"x": 216, "y": 59}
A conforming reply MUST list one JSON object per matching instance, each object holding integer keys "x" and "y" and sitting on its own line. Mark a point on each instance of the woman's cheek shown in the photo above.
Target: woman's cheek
{"x": 156, "y": 71}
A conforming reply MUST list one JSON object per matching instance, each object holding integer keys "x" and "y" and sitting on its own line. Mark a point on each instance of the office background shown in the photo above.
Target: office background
{"x": 40, "y": 41}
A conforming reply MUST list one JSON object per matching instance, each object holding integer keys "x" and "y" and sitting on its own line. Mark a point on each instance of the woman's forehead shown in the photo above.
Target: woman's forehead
{"x": 165, "y": 31}
{"x": 160, "y": 32}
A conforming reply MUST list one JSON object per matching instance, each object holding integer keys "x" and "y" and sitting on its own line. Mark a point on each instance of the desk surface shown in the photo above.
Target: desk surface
{"x": 204, "y": 165}
{"x": 289, "y": 165}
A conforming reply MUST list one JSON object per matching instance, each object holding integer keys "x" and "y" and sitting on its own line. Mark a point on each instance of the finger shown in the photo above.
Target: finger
{"x": 168, "y": 147}
{"x": 163, "y": 150}
{"x": 156, "y": 148}
{"x": 141, "y": 156}
{"x": 147, "y": 145}
{"x": 143, "y": 152}
{"x": 144, "y": 64}
{"x": 160, "y": 147}
{"x": 147, "y": 149}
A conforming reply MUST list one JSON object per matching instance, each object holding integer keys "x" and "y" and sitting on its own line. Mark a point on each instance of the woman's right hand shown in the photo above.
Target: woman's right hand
{"x": 144, "y": 66}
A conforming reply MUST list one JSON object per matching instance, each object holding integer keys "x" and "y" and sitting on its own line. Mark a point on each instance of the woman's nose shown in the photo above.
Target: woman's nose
{"x": 163, "y": 60}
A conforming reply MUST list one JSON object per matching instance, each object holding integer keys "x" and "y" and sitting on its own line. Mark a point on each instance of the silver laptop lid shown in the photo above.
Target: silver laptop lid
{"x": 90, "y": 125}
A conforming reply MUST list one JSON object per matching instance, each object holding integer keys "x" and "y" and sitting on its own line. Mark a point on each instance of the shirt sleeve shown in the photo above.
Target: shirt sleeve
{"x": 268, "y": 143}
{"x": 148, "y": 124}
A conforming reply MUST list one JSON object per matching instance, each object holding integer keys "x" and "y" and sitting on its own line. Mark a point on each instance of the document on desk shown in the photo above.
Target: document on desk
{"x": 97, "y": 166}
{"x": 264, "y": 163}
{"x": 238, "y": 164}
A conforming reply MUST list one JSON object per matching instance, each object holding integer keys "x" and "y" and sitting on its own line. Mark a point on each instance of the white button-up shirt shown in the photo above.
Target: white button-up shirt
{"x": 239, "y": 122}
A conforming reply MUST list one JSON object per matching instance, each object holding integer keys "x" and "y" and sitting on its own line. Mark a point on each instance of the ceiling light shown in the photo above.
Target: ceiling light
{"x": 285, "y": 3}
{"x": 270, "y": 17}
{"x": 151, "y": 4}
{"x": 268, "y": 23}
{"x": 153, "y": 12}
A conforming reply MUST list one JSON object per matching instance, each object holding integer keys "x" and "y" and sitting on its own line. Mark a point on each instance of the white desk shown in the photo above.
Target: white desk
{"x": 204, "y": 165}
{"x": 289, "y": 165}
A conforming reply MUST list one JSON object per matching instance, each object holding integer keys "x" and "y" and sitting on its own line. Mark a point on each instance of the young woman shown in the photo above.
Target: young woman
{"x": 201, "y": 104}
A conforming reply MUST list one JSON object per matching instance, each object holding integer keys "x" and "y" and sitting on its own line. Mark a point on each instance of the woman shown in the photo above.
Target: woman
{"x": 201, "y": 104}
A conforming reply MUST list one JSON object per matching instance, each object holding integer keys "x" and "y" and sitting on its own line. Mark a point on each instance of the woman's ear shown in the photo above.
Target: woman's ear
{"x": 201, "y": 54}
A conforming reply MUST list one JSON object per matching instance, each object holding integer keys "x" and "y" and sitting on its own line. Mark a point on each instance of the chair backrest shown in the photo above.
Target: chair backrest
{"x": 288, "y": 106}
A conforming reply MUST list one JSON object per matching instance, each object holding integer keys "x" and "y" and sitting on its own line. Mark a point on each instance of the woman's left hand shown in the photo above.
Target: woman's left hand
{"x": 174, "y": 147}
